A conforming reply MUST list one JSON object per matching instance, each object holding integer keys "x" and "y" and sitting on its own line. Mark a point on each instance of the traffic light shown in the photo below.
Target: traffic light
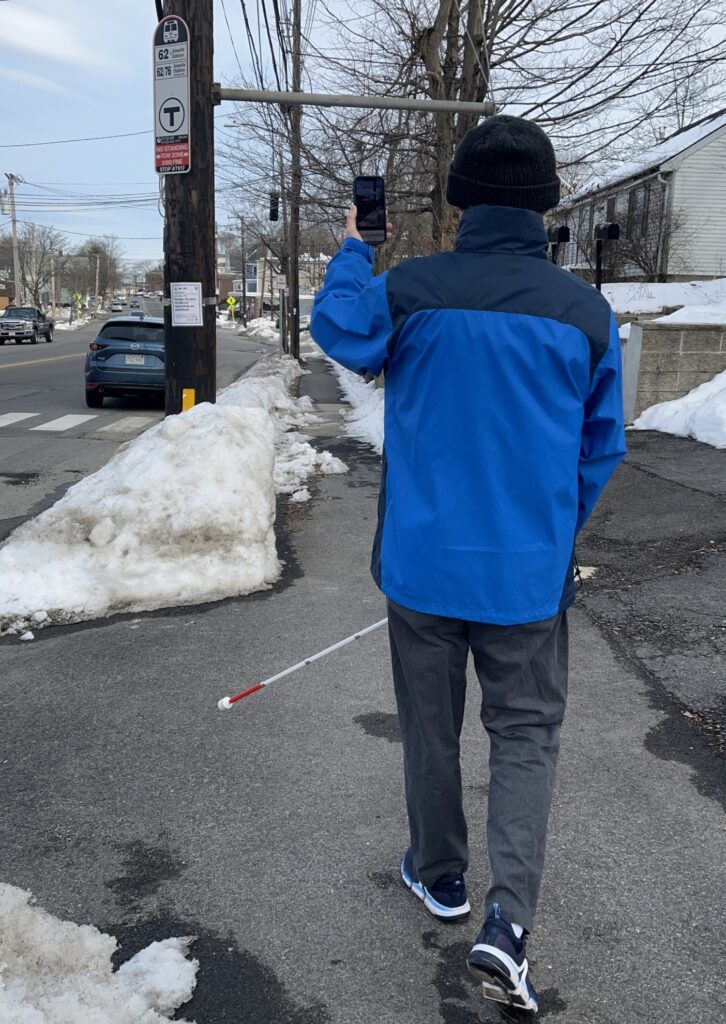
{"x": 274, "y": 205}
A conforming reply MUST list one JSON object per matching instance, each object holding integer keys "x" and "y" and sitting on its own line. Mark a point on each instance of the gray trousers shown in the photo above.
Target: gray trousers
{"x": 522, "y": 671}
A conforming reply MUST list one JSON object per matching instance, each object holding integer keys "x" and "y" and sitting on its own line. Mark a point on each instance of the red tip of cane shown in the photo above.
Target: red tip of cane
{"x": 246, "y": 693}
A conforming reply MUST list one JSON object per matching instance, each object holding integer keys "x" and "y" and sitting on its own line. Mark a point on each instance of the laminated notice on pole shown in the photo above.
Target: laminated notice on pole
{"x": 171, "y": 96}
{"x": 186, "y": 304}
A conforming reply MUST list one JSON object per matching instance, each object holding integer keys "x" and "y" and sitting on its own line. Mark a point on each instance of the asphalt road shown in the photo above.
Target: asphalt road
{"x": 272, "y": 832}
{"x": 49, "y": 438}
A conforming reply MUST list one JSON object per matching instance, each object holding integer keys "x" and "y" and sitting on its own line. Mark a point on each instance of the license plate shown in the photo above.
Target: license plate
{"x": 134, "y": 360}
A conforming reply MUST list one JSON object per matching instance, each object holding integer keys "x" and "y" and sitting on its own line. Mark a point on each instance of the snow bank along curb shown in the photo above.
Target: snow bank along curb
{"x": 183, "y": 514}
{"x": 700, "y": 414}
{"x": 364, "y": 421}
{"x": 58, "y": 972}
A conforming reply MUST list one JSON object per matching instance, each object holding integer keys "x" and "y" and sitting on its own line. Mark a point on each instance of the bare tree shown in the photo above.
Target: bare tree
{"x": 596, "y": 74}
{"x": 38, "y": 247}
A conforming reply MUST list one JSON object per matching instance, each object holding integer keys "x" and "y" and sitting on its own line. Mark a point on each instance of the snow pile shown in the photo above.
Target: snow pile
{"x": 225, "y": 324}
{"x": 64, "y": 325}
{"x": 182, "y": 514}
{"x": 652, "y": 297}
{"x": 700, "y": 414}
{"x": 365, "y": 419}
{"x": 58, "y": 972}
{"x": 711, "y": 314}
{"x": 263, "y": 328}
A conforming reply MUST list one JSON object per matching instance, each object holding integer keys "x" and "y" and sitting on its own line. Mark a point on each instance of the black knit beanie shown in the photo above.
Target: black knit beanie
{"x": 505, "y": 161}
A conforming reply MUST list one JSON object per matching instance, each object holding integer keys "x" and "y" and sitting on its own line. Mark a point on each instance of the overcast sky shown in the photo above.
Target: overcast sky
{"x": 77, "y": 68}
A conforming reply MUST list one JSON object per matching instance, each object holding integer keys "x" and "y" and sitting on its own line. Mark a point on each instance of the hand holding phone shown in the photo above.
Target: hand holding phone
{"x": 369, "y": 198}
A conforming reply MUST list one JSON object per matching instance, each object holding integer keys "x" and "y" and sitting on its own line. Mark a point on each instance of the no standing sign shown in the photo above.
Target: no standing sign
{"x": 171, "y": 96}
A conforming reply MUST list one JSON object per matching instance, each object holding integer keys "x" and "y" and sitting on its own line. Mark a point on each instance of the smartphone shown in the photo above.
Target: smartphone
{"x": 369, "y": 196}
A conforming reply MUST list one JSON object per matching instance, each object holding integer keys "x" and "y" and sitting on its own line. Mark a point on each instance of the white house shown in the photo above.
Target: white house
{"x": 670, "y": 203}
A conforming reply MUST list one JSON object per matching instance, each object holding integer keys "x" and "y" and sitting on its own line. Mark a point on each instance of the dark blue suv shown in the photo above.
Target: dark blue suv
{"x": 126, "y": 358}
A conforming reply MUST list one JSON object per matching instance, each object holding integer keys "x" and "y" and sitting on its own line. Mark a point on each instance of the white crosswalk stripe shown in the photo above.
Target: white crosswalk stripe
{"x": 128, "y": 425}
{"x": 9, "y": 418}
{"x": 65, "y": 423}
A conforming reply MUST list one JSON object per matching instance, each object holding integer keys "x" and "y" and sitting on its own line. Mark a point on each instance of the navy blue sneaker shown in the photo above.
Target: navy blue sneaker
{"x": 498, "y": 960}
{"x": 446, "y": 899}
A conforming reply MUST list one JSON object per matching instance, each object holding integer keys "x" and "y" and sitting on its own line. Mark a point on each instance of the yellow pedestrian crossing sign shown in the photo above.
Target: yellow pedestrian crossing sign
{"x": 231, "y": 302}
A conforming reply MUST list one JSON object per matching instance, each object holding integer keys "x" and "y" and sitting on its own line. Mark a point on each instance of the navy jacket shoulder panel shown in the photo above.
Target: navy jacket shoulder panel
{"x": 498, "y": 282}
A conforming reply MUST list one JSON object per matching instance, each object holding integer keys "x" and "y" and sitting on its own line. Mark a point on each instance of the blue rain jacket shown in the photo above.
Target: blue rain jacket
{"x": 503, "y": 414}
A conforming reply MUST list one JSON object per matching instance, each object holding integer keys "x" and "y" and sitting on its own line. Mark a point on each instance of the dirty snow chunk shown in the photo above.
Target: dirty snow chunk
{"x": 28, "y": 636}
{"x": 182, "y": 514}
{"x": 700, "y": 414}
{"x": 624, "y": 331}
{"x": 263, "y": 328}
{"x": 302, "y": 495}
{"x": 58, "y": 972}
{"x": 365, "y": 419}
{"x": 298, "y": 462}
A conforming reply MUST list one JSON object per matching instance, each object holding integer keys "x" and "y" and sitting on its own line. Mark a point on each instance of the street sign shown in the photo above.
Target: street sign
{"x": 171, "y": 96}
{"x": 280, "y": 283}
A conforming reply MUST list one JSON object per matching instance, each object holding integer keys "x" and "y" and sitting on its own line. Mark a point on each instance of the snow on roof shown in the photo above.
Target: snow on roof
{"x": 652, "y": 158}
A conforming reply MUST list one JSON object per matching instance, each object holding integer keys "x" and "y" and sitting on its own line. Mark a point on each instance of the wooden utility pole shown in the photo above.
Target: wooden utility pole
{"x": 189, "y": 239}
{"x": 244, "y": 270}
{"x": 17, "y": 280}
{"x": 98, "y": 269}
{"x": 296, "y": 183}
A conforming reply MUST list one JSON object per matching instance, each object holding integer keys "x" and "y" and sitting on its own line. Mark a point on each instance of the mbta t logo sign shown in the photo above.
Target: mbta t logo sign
{"x": 172, "y": 115}
{"x": 171, "y": 96}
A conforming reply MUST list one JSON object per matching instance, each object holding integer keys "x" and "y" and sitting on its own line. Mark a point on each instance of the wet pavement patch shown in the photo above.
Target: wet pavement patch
{"x": 461, "y": 1002}
{"x": 145, "y": 868}
{"x": 233, "y": 985}
{"x": 19, "y": 479}
{"x": 380, "y": 724}
{"x": 385, "y": 879}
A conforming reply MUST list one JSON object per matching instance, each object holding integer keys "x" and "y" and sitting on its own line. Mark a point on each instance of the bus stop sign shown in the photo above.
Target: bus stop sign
{"x": 171, "y": 96}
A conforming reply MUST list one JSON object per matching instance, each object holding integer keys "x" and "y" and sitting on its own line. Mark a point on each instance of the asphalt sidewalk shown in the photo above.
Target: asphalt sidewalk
{"x": 274, "y": 831}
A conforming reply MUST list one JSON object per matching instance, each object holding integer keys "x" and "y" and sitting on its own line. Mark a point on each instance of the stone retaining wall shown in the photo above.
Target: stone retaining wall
{"x": 673, "y": 359}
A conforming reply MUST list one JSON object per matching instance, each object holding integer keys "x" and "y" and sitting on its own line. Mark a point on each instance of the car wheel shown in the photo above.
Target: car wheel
{"x": 34, "y": 337}
{"x": 2, "y": 341}
{"x": 93, "y": 399}
{"x": 49, "y": 335}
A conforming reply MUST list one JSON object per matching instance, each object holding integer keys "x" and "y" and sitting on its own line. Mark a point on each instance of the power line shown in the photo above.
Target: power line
{"x": 87, "y": 138}
{"x": 231, "y": 39}
{"x": 62, "y": 142}
{"x": 272, "y": 48}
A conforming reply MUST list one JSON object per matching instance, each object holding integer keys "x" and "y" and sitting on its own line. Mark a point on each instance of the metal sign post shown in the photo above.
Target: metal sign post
{"x": 172, "y": 103}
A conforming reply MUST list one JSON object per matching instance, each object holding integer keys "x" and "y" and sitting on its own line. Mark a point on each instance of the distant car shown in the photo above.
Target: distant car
{"x": 25, "y": 323}
{"x": 116, "y": 307}
{"x": 137, "y": 314}
{"x": 135, "y": 303}
{"x": 126, "y": 358}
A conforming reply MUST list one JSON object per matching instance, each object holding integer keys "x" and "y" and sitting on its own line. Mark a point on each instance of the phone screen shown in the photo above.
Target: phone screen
{"x": 370, "y": 199}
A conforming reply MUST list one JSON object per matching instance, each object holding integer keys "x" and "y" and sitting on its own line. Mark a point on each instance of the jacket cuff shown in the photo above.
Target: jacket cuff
{"x": 355, "y": 245}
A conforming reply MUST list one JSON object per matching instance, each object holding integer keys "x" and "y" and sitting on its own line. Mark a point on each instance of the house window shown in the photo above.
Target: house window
{"x": 610, "y": 209}
{"x": 645, "y": 213}
{"x": 251, "y": 275}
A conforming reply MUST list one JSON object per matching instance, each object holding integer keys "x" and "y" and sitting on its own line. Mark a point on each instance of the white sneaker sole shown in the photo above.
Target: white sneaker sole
{"x": 436, "y": 909}
{"x": 502, "y": 980}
